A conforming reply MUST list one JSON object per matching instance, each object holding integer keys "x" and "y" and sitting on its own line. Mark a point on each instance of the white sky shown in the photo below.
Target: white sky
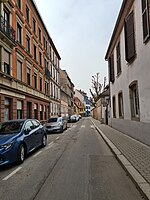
{"x": 81, "y": 31}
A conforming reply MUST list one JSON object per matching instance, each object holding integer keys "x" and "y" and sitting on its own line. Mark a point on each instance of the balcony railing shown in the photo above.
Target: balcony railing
{"x": 47, "y": 72}
{"x": 7, "y": 29}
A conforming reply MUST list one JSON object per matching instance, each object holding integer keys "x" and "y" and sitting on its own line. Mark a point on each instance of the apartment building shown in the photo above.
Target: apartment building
{"x": 67, "y": 94}
{"x": 79, "y": 107}
{"x": 29, "y": 63}
{"x": 129, "y": 70}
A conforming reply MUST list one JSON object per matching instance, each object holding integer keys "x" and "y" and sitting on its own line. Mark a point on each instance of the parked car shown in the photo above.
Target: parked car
{"x": 56, "y": 124}
{"x": 18, "y": 138}
{"x": 74, "y": 118}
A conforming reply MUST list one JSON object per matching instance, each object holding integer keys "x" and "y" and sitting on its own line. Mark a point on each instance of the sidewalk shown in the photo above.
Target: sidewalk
{"x": 133, "y": 155}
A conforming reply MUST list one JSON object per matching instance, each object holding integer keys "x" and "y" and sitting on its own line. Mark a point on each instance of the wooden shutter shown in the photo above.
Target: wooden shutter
{"x": 145, "y": 19}
{"x": 129, "y": 37}
{"x": 118, "y": 58}
{"x": 111, "y": 68}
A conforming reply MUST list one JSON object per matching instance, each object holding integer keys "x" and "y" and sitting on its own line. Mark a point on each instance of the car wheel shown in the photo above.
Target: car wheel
{"x": 44, "y": 141}
{"x": 21, "y": 154}
{"x": 62, "y": 130}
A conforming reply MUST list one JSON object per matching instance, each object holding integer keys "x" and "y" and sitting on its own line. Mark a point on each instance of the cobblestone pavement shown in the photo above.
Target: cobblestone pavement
{"x": 137, "y": 153}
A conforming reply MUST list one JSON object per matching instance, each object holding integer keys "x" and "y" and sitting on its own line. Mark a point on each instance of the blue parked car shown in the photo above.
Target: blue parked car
{"x": 18, "y": 138}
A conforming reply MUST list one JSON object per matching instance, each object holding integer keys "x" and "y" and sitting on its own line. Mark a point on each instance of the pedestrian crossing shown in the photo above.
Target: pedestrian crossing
{"x": 82, "y": 126}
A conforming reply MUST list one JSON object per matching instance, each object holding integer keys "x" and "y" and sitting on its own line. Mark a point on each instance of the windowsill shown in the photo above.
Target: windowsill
{"x": 28, "y": 23}
{"x": 5, "y": 75}
{"x": 131, "y": 60}
{"x": 19, "y": 44}
{"x": 119, "y": 74}
{"x": 29, "y": 54}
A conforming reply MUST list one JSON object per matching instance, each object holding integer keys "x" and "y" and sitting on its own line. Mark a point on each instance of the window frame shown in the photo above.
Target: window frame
{"x": 134, "y": 100}
{"x": 130, "y": 37}
{"x": 145, "y": 16}
{"x": 118, "y": 58}
{"x": 120, "y": 105}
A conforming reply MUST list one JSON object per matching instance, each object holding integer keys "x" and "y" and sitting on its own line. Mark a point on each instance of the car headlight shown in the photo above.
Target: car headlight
{"x": 6, "y": 146}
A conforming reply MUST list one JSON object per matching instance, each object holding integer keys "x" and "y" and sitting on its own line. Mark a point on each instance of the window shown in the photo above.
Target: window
{"x": 19, "y": 4}
{"x": 44, "y": 41}
{"x": 40, "y": 34}
{"x": 35, "y": 111}
{"x": 19, "y": 33}
{"x": 130, "y": 38}
{"x": 6, "y": 19}
{"x": 34, "y": 25}
{"x": 28, "y": 76}
{"x": 27, "y": 43}
{"x": 19, "y": 70}
{"x": 40, "y": 58}
{"x": 41, "y": 84}
{"x": 118, "y": 58}
{"x": 114, "y": 107}
{"x": 41, "y": 112}
{"x": 45, "y": 114}
{"x": 27, "y": 13}
{"x": 7, "y": 109}
{"x": 120, "y": 105}
{"x": 145, "y": 19}
{"x": 45, "y": 63}
{"x": 134, "y": 100}
{"x": 35, "y": 80}
{"x": 19, "y": 109}
{"x": 28, "y": 126}
{"x": 29, "y": 110}
{"x": 46, "y": 88}
{"x": 6, "y": 62}
{"x": 111, "y": 68}
{"x": 34, "y": 52}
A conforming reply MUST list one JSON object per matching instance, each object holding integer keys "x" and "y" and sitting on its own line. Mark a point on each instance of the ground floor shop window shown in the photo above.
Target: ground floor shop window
{"x": 19, "y": 110}
{"x": 7, "y": 109}
{"x": 29, "y": 110}
{"x": 41, "y": 112}
{"x": 35, "y": 111}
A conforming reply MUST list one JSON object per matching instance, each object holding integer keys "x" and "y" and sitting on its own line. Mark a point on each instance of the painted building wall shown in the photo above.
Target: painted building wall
{"x": 138, "y": 70}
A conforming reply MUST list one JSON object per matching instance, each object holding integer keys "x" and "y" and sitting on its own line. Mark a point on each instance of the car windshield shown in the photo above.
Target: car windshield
{"x": 10, "y": 127}
{"x": 52, "y": 120}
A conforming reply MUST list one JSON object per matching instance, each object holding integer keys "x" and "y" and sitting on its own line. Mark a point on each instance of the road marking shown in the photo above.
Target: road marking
{"x": 92, "y": 126}
{"x": 83, "y": 126}
{"x": 11, "y": 174}
{"x": 50, "y": 145}
{"x": 37, "y": 154}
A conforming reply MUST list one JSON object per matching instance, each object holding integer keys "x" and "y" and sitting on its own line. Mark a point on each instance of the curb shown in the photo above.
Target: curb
{"x": 140, "y": 182}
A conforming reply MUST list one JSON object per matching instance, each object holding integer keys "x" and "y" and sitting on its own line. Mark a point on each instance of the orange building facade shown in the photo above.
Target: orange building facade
{"x": 29, "y": 64}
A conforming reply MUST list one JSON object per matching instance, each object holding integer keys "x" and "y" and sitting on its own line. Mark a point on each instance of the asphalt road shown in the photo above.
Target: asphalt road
{"x": 75, "y": 165}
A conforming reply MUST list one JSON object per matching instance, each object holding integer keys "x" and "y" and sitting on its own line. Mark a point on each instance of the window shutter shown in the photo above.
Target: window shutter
{"x": 145, "y": 19}
{"x": 129, "y": 37}
{"x": 111, "y": 68}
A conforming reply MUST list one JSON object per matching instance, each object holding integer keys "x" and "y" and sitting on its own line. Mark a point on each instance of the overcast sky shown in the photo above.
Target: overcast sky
{"x": 81, "y": 31}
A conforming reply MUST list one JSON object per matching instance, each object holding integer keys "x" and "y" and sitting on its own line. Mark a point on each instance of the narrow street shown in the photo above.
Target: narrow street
{"x": 75, "y": 165}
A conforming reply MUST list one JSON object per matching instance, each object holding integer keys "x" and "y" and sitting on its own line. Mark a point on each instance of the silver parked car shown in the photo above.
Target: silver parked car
{"x": 56, "y": 124}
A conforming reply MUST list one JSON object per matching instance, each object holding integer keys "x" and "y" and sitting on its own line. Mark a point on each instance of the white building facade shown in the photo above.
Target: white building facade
{"x": 128, "y": 57}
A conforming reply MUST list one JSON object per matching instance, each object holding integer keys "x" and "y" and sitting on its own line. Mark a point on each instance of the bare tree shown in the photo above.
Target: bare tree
{"x": 96, "y": 87}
